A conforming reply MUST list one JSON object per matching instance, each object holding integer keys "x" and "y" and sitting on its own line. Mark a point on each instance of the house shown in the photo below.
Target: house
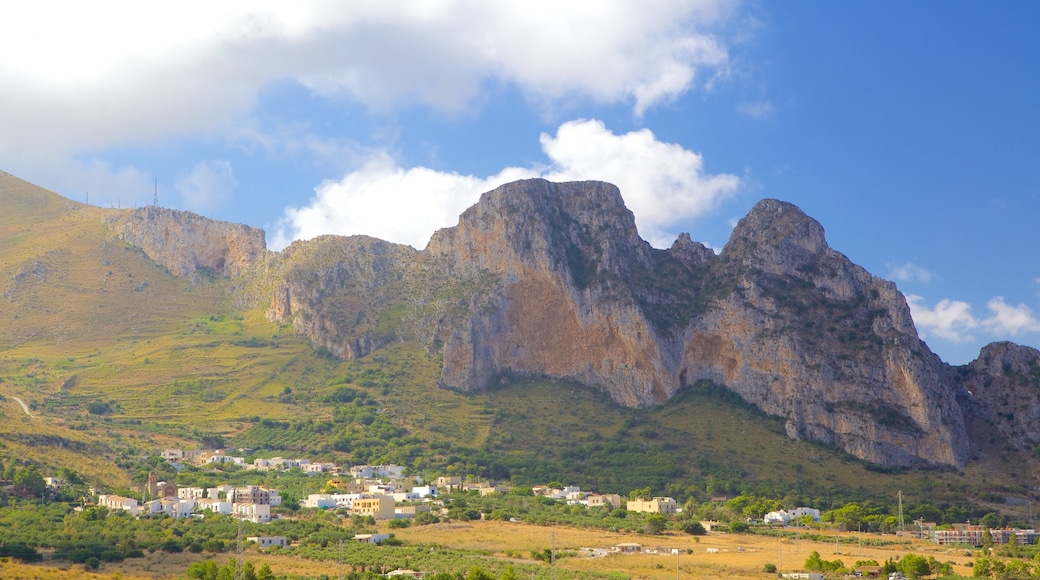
{"x": 627, "y": 548}
{"x": 207, "y": 456}
{"x": 800, "y": 512}
{"x": 449, "y": 482}
{"x": 425, "y": 491}
{"x": 319, "y": 501}
{"x": 405, "y": 573}
{"x": 345, "y": 500}
{"x": 778, "y": 517}
{"x": 868, "y": 571}
{"x": 118, "y": 502}
{"x": 265, "y": 542}
{"x": 257, "y": 494}
{"x": 54, "y": 482}
{"x": 316, "y": 468}
{"x": 191, "y": 493}
{"x": 379, "y": 507}
{"x": 257, "y": 513}
{"x": 389, "y": 471}
{"x": 361, "y": 472}
{"x": 608, "y": 500}
{"x": 410, "y": 511}
{"x": 215, "y": 505}
{"x": 172, "y": 454}
{"x": 175, "y": 508}
{"x": 658, "y": 505}
{"x": 405, "y": 496}
{"x": 371, "y": 538}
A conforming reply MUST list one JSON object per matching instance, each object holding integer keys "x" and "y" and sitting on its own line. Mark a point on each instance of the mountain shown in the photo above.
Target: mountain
{"x": 538, "y": 279}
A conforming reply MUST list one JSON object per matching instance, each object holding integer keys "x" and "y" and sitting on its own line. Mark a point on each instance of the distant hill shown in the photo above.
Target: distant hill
{"x": 484, "y": 352}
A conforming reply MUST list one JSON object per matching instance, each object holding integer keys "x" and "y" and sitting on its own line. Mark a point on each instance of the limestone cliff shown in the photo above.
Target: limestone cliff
{"x": 779, "y": 317}
{"x": 552, "y": 279}
{"x": 1003, "y": 388}
{"x": 188, "y": 245}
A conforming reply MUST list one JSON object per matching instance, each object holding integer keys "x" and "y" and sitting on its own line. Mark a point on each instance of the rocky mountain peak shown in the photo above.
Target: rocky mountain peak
{"x": 579, "y": 228}
{"x": 776, "y": 237}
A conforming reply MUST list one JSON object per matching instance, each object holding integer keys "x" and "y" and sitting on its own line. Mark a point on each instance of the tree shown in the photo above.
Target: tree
{"x": 990, "y": 520}
{"x": 508, "y": 573}
{"x": 693, "y": 528}
{"x": 914, "y": 566}
{"x": 739, "y": 526}
{"x": 642, "y": 493}
{"x": 655, "y": 524}
{"x": 29, "y": 482}
{"x": 264, "y": 573}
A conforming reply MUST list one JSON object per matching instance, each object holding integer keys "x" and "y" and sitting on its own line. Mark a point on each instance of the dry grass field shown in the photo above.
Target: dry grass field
{"x": 739, "y": 555}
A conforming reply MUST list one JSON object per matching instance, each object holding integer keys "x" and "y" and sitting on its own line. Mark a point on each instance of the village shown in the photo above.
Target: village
{"x": 386, "y": 493}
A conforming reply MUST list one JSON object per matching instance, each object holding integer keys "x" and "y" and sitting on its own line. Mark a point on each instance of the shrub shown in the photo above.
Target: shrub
{"x": 770, "y": 568}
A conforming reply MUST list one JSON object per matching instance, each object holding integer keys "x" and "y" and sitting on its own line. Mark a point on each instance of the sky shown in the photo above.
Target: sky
{"x": 910, "y": 130}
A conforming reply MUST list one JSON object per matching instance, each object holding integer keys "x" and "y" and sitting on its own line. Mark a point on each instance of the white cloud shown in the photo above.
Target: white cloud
{"x": 662, "y": 183}
{"x": 949, "y": 319}
{"x": 1008, "y": 319}
{"x": 123, "y": 73}
{"x": 757, "y": 109}
{"x": 909, "y": 272}
{"x": 388, "y": 202}
{"x": 952, "y": 319}
{"x": 206, "y": 187}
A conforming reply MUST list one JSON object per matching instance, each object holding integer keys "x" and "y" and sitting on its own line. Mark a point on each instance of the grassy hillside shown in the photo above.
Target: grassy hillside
{"x": 118, "y": 359}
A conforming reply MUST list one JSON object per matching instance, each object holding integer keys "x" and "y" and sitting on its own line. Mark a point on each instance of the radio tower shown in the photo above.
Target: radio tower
{"x": 155, "y": 200}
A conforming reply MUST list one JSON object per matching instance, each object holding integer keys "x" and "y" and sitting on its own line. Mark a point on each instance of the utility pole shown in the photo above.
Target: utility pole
{"x": 900, "y": 495}
{"x": 552, "y": 557}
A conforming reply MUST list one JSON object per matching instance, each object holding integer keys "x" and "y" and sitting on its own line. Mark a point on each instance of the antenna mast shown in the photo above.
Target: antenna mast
{"x": 155, "y": 201}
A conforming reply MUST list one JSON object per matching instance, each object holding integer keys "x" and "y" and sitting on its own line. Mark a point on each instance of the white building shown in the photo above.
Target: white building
{"x": 118, "y": 502}
{"x": 265, "y": 542}
{"x": 215, "y": 505}
{"x": 190, "y": 492}
{"x": 258, "y": 513}
{"x": 425, "y": 491}
{"x": 319, "y": 500}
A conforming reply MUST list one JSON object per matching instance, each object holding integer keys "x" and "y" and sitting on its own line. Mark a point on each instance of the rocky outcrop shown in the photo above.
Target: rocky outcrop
{"x": 1003, "y": 388}
{"x": 552, "y": 279}
{"x": 343, "y": 294}
{"x": 189, "y": 245}
{"x": 788, "y": 323}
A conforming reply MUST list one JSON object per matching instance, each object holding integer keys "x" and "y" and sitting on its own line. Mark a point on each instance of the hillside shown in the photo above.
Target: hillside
{"x": 340, "y": 347}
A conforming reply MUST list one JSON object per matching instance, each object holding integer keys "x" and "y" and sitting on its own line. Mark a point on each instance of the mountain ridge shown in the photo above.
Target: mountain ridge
{"x": 545, "y": 279}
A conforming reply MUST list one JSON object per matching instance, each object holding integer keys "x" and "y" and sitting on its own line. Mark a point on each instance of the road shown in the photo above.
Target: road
{"x": 24, "y": 406}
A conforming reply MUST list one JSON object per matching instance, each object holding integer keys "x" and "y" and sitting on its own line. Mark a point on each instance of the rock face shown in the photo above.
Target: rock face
{"x": 1003, "y": 388}
{"x": 789, "y": 324}
{"x": 552, "y": 279}
{"x": 191, "y": 246}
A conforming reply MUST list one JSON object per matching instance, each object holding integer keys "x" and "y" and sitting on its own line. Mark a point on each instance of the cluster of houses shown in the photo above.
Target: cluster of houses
{"x": 968, "y": 535}
{"x": 250, "y": 503}
{"x": 200, "y": 457}
{"x": 786, "y": 517}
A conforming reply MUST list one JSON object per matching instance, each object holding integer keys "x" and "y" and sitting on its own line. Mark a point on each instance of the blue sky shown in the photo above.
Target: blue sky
{"x": 909, "y": 130}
